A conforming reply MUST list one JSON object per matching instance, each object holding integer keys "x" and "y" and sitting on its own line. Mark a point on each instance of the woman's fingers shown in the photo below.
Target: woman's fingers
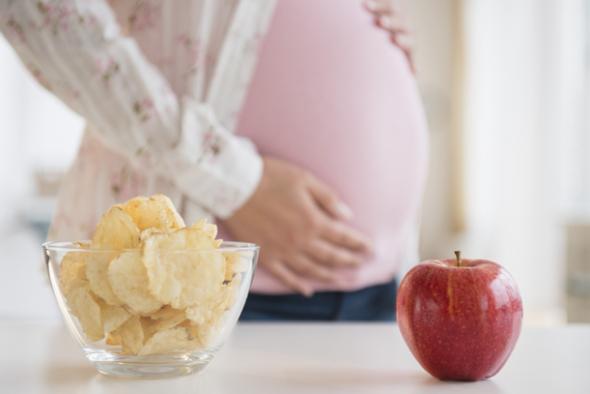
{"x": 328, "y": 200}
{"x": 386, "y": 16}
{"x": 343, "y": 235}
{"x": 329, "y": 254}
{"x": 402, "y": 40}
{"x": 329, "y": 220}
{"x": 303, "y": 265}
{"x": 289, "y": 278}
{"x": 391, "y": 24}
{"x": 378, "y": 6}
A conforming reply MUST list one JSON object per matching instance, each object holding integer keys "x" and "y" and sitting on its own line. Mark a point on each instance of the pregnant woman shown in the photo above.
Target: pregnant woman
{"x": 297, "y": 125}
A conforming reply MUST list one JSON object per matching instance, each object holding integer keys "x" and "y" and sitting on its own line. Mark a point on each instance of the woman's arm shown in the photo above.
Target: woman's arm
{"x": 76, "y": 49}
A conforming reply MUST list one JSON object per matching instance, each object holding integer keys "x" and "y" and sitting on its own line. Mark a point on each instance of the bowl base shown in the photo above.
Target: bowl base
{"x": 154, "y": 367}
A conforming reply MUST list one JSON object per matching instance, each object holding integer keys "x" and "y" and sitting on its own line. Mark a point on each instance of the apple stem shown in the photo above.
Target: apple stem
{"x": 458, "y": 257}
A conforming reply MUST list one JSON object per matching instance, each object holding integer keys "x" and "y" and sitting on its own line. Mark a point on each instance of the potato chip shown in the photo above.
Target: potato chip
{"x": 202, "y": 334}
{"x": 148, "y": 232}
{"x": 217, "y": 305}
{"x": 207, "y": 229}
{"x": 191, "y": 328}
{"x": 97, "y": 265}
{"x": 115, "y": 231}
{"x": 166, "y": 313}
{"x": 131, "y": 334}
{"x": 72, "y": 269}
{"x": 128, "y": 279}
{"x": 183, "y": 267}
{"x": 113, "y": 339}
{"x": 112, "y": 316}
{"x": 229, "y": 294}
{"x": 199, "y": 314}
{"x": 235, "y": 263}
{"x": 230, "y": 259}
{"x": 172, "y": 340}
{"x": 86, "y": 309}
{"x": 162, "y": 320}
{"x": 241, "y": 262}
{"x": 154, "y": 212}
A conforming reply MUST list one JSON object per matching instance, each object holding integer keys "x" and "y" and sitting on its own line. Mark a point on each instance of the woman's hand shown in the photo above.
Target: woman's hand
{"x": 300, "y": 226}
{"x": 387, "y": 16}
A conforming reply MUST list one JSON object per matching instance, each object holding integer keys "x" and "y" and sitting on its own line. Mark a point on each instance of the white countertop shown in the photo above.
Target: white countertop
{"x": 41, "y": 357}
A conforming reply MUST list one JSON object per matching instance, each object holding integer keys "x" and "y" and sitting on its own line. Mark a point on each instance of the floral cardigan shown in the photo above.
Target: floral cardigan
{"x": 160, "y": 84}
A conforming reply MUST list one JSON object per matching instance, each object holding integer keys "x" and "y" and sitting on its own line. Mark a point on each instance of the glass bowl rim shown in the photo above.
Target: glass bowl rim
{"x": 76, "y": 246}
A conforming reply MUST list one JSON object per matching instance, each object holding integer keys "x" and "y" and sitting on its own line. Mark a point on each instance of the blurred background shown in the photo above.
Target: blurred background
{"x": 506, "y": 85}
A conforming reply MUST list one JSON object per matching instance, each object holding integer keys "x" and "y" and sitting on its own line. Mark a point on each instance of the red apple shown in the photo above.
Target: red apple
{"x": 460, "y": 318}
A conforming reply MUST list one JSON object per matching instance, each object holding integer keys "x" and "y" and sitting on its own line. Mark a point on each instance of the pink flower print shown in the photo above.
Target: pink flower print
{"x": 16, "y": 29}
{"x": 55, "y": 16}
{"x": 125, "y": 183}
{"x": 140, "y": 152}
{"x": 192, "y": 50}
{"x": 191, "y": 47}
{"x": 117, "y": 180}
{"x": 143, "y": 109}
{"x": 88, "y": 20}
{"x": 38, "y": 75}
{"x": 143, "y": 16}
{"x": 107, "y": 68}
{"x": 142, "y": 158}
{"x": 211, "y": 143}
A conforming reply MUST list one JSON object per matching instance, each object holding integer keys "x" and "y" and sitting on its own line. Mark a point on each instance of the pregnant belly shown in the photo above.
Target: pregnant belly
{"x": 375, "y": 164}
{"x": 367, "y": 141}
{"x": 338, "y": 100}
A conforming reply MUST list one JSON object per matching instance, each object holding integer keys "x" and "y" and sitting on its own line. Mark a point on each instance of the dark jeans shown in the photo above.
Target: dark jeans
{"x": 374, "y": 303}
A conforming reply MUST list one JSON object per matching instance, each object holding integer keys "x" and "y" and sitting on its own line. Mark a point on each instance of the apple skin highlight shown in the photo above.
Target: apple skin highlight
{"x": 460, "y": 318}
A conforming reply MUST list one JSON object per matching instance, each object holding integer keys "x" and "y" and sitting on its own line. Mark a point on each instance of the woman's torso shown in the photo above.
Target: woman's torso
{"x": 331, "y": 94}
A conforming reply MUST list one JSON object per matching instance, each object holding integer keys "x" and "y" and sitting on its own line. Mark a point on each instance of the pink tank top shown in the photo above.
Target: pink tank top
{"x": 333, "y": 95}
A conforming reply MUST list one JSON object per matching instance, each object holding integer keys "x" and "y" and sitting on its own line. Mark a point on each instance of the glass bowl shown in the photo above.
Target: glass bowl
{"x": 108, "y": 354}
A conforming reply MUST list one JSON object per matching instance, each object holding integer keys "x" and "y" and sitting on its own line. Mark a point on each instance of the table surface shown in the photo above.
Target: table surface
{"x": 41, "y": 357}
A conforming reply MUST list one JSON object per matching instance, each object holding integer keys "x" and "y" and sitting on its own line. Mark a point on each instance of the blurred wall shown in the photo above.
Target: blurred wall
{"x": 37, "y": 134}
{"x": 432, "y": 25}
{"x": 13, "y": 167}
{"x": 526, "y": 173}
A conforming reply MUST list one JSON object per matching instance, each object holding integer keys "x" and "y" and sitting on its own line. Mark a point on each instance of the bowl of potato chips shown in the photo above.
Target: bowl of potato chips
{"x": 148, "y": 296}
